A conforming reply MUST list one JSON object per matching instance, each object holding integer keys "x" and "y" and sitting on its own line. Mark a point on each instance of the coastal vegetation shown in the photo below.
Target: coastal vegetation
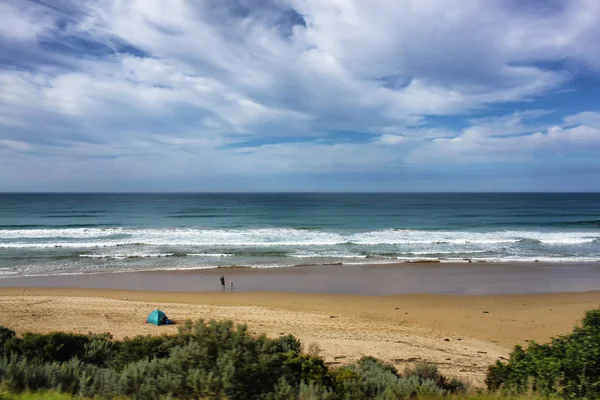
{"x": 220, "y": 360}
{"x": 568, "y": 366}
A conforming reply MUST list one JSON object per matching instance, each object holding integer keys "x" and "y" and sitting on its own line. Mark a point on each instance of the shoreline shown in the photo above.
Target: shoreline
{"x": 355, "y": 279}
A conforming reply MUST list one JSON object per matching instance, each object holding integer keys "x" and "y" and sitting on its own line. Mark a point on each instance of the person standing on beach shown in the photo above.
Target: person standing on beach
{"x": 231, "y": 285}
{"x": 222, "y": 283}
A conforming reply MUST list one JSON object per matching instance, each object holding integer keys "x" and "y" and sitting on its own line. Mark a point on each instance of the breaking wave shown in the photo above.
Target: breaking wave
{"x": 110, "y": 237}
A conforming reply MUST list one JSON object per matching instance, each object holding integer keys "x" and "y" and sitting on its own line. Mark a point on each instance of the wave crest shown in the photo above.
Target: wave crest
{"x": 110, "y": 237}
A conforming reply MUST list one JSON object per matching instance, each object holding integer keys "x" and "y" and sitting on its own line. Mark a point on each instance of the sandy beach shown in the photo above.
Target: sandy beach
{"x": 461, "y": 334}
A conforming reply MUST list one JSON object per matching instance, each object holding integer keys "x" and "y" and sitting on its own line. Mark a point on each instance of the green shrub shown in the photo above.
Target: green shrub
{"x": 56, "y": 346}
{"x": 304, "y": 368}
{"x": 430, "y": 372}
{"x": 289, "y": 343}
{"x": 100, "y": 350}
{"x": 569, "y": 365}
{"x": 214, "y": 360}
{"x": 139, "y": 348}
{"x": 375, "y": 375}
{"x": 5, "y": 335}
{"x": 45, "y": 395}
{"x": 370, "y": 378}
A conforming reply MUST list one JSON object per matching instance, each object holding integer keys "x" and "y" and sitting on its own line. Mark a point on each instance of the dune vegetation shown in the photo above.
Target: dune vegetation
{"x": 217, "y": 360}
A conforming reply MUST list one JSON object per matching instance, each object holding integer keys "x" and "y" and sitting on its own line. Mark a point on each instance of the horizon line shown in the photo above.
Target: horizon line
{"x": 298, "y": 192}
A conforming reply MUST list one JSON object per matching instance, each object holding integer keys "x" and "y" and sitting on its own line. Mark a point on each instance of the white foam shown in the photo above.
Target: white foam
{"x": 549, "y": 260}
{"x": 7, "y": 271}
{"x": 210, "y": 255}
{"x": 432, "y": 260}
{"x": 150, "y": 255}
{"x": 107, "y": 237}
{"x": 75, "y": 233}
{"x": 327, "y": 255}
{"x": 130, "y": 255}
{"x": 436, "y": 251}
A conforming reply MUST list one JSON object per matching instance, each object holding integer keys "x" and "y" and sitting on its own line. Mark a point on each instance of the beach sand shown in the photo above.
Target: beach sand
{"x": 461, "y": 334}
{"x": 364, "y": 279}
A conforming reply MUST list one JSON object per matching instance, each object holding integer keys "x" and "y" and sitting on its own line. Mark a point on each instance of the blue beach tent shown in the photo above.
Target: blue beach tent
{"x": 156, "y": 317}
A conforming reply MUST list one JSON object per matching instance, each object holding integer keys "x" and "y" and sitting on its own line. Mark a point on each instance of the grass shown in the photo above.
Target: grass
{"x": 50, "y": 395}
{"x": 36, "y": 396}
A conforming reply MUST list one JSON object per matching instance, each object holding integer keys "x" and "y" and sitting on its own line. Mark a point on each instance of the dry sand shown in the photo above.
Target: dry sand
{"x": 462, "y": 334}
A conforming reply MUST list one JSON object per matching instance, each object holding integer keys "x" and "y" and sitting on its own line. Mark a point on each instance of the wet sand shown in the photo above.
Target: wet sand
{"x": 373, "y": 280}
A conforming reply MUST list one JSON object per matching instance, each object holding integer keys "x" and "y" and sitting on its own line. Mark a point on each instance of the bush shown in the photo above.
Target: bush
{"x": 211, "y": 360}
{"x": 429, "y": 372}
{"x": 304, "y": 368}
{"x": 569, "y": 365}
{"x": 5, "y": 335}
{"x": 137, "y": 349}
{"x": 100, "y": 350}
{"x": 55, "y": 346}
{"x": 36, "y": 396}
{"x": 375, "y": 375}
{"x": 289, "y": 343}
{"x": 370, "y": 378}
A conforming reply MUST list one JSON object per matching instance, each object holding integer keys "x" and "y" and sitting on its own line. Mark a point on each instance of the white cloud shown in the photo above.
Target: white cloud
{"x": 373, "y": 62}
{"x": 354, "y": 64}
{"x": 203, "y": 78}
{"x": 515, "y": 123}
{"x": 391, "y": 139}
{"x": 21, "y": 23}
{"x": 584, "y": 118}
{"x": 475, "y": 144}
{"x": 15, "y": 145}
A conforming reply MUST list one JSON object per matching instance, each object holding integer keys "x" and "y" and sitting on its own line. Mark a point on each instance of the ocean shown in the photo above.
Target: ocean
{"x": 51, "y": 234}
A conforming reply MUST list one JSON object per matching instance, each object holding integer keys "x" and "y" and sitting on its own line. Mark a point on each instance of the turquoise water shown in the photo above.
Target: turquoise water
{"x": 82, "y": 233}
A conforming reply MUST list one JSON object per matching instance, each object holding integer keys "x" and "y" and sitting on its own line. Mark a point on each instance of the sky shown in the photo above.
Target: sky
{"x": 299, "y": 95}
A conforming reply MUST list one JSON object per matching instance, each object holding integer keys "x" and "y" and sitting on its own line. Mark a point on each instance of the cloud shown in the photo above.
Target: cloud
{"x": 20, "y": 22}
{"x": 512, "y": 124}
{"x": 589, "y": 118}
{"x": 391, "y": 139}
{"x": 15, "y": 145}
{"x": 482, "y": 145}
{"x": 246, "y": 87}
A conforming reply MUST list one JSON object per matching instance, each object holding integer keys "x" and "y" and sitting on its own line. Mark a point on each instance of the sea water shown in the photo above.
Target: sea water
{"x": 47, "y": 234}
